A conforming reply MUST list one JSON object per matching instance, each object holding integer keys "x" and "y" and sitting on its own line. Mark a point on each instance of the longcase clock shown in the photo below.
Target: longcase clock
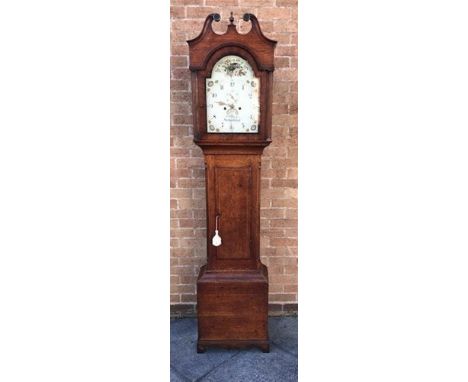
{"x": 232, "y": 76}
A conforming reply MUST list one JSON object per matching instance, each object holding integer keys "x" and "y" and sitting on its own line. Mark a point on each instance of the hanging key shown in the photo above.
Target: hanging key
{"x": 216, "y": 241}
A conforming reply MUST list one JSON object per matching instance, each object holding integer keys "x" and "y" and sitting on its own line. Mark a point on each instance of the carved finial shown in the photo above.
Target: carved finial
{"x": 231, "y": 19}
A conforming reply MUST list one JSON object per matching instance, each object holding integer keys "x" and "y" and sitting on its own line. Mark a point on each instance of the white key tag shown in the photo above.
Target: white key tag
{"x": 216, "y": 241}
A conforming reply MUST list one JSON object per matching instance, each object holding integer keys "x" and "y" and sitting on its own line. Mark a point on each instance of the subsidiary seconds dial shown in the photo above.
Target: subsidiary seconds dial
{"x": 232, "y": 97}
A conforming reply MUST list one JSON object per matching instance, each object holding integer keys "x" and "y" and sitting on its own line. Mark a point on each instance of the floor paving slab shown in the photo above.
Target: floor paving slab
{"x": 283, "y": 332}
{"x": 177, "y": 377}
{"x": 184, "y": 357}
{"x": 234, "y": 365}
{"x": 251, "y": 366}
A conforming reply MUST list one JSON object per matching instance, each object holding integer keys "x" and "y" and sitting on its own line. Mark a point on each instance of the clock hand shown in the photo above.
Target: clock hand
{"x": 231, "y": 105}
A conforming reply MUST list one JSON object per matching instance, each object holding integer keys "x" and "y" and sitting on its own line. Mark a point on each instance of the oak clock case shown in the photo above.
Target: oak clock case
{"x": 231, "y": 100}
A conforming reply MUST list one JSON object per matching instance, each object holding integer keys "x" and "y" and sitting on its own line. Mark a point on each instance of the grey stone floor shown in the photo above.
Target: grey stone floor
{"x": 234, "y": 365}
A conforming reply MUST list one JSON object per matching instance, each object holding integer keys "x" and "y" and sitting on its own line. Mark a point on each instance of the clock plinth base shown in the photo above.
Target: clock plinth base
{"x": 233, "y": 309}
{"x": 264, "y": 346}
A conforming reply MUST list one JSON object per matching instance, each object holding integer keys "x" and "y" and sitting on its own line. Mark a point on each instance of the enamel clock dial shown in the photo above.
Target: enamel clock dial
{"x": 232, "y": 97}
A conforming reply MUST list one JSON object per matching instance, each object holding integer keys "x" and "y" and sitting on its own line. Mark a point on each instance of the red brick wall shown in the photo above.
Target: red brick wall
{"x": 278, "y": 20}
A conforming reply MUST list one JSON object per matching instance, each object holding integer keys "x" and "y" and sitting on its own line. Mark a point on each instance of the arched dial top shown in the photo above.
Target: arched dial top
{"x": 232, "y": 97}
